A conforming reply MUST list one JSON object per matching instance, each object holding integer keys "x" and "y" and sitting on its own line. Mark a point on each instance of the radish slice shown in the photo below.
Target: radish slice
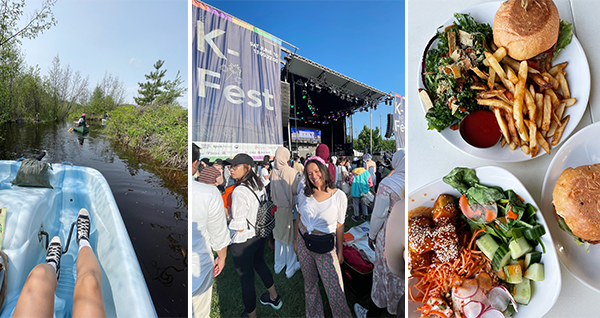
{"x": 472, "y": 309}
{"x": 492, "y": 313}
{"x": 500, "y": 297}
{"x": 467, "y": 290}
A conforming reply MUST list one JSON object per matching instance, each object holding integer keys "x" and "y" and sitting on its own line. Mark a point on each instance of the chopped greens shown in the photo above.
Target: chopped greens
{"x": 447, "y": 75}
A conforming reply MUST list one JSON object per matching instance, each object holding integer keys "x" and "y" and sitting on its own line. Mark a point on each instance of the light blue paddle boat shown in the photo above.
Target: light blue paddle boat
{"x": 35, "y": 215}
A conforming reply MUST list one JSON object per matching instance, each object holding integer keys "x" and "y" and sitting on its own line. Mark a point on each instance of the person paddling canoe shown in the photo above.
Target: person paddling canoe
{"x": 81, "y": 121}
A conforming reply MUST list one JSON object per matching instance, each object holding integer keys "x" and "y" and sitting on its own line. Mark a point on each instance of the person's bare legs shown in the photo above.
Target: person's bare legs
{"x": 37, "y": 296}
{"x": 87, "y": 296}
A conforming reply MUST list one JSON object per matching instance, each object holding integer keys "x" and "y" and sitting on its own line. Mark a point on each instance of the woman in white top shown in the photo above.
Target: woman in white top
{"x": 322, "y": 211}
{"x": 247, "y": 249}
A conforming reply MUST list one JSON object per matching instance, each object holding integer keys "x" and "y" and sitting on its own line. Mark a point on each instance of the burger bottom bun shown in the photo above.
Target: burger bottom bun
{"x": 576, "y": 198}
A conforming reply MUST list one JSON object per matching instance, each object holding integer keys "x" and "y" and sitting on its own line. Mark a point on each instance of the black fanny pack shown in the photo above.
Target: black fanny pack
{"x": 320, "y": 244}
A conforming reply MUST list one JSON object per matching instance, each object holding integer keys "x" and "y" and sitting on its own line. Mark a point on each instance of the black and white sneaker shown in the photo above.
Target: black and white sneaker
{"x": 265, "y": 299}
{"x": 355, "y": 218}
{"x": 83, "y": 226}
{"x": 364, "y": 217}
{"x": 53, "y": 253}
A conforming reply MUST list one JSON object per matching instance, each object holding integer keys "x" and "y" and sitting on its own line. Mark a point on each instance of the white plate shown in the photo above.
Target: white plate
{"x": 581, "y": 149}
{"x": 544, "y": 293}
{"x": 578, "y": 77}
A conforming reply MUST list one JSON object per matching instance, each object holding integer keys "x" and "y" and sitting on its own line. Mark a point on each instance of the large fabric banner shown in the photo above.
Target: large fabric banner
{"x": 236, "y": 92}
{"x": 399, "y": 122}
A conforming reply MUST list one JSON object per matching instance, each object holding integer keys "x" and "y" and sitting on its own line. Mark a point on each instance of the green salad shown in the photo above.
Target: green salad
{"x": 511, "y": 231}
{"x": 446, "y": 74}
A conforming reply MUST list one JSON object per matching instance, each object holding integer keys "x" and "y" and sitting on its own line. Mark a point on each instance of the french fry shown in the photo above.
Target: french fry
{"x": 512, "y": 146}
{"x": 538, "y": 79}
{"x": 532, "y": 90}
{"x": 480, "y": 73}
{"x": 570, "y": 101}
{"x": 518, "y": 102}
{"x": 533, "y": 147}
{"x": 495, "y": 103}
{"x": 511, "y": 75}
{"x": 552, "y": 129}
{"x": 549, "y": 78}
{"x": 531, "y": 107}
{"x": 491, "y": 79}
{"x": 543, "y": 143}
{"x": 557, "y": 68}
{"x": 502, "y": 124}
{"x": 564, "y": 87}
{"x": 539, "y": 109}
{"x": 514, "y": 137}
{"x": 560, "y": 130}
{"x": 494, "y": 64}
{"x": 546, "y": 112}
{"x": 500, "y": 53}
{"x": 560, "y": 110}
{"x": 502, "y": 142}
{"x": 525, "y": 149}
{"x": 479, "y": 86}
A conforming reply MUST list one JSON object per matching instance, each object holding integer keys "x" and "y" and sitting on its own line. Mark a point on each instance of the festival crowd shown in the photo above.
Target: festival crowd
{"x": 309, "y": 200}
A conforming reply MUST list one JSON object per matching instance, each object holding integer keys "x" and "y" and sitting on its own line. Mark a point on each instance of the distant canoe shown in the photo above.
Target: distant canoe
{"x": 81, "y": 129}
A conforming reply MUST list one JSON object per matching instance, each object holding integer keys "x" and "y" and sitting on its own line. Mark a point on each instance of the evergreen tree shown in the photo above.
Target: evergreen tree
{"x": 150, "y": 90}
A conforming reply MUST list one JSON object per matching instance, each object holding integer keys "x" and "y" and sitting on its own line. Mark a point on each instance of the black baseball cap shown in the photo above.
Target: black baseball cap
{"x": 218, "y": 162}
{"x": 239, "y": 159}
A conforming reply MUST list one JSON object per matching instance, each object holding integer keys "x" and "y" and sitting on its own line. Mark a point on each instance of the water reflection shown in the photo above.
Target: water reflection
{"x": 152, "y": 199}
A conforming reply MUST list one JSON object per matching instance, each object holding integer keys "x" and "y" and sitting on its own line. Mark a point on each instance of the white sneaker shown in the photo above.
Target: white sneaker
{"x": 360, "y": 311}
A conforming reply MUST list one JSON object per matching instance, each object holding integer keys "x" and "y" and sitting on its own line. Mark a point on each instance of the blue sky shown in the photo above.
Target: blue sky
{"x": 121, "y": 37}
{"x": 360, "y": 39}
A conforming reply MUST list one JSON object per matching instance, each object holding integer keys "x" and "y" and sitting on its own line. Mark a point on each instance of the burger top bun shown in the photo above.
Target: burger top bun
{"x": 576, "y": 198}
{"x": 526, "y": 33}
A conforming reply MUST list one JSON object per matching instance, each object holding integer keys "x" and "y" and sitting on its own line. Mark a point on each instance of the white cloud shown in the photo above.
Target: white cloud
{"x": 135, "y": 62}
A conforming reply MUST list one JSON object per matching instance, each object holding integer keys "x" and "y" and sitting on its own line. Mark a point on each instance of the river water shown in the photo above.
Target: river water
{"x": 152, "y": 200}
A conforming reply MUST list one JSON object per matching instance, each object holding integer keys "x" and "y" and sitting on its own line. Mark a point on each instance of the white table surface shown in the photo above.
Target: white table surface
{"x": 430, "y": 157}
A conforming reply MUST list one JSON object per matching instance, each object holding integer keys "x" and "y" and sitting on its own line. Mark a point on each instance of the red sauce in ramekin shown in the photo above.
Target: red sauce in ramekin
{"x": 480, "y": 129}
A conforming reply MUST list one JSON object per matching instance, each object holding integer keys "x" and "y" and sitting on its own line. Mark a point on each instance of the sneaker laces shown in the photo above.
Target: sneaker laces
{"x": 83, "y": 228}
{"x": 53, "y": 253}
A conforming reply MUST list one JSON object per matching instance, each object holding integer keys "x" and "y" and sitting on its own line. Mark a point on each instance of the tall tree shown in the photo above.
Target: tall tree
{"x": 12, "y": 11}
{"x": 157, "y": 91}
{"x": 66, "y": 87}
{"x": 151, "y": 89}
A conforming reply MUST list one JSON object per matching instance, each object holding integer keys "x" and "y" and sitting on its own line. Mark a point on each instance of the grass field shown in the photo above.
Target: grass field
{"x": 227, "y": 292}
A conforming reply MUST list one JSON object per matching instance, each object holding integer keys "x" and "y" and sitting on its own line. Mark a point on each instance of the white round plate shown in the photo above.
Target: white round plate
{"x": 544, "y": 293}
{"x": 578, "y": 78}
{"x": 581, "y": 149}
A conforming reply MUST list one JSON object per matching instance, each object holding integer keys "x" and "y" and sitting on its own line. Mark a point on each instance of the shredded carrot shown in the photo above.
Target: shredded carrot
{"x": 511, "y": 215}
{"x": 437, "y": 279}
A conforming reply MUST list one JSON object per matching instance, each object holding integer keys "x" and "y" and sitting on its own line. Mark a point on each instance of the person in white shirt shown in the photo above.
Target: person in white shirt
{"x": 248, "y": 249}
{"x": 319, "y": 229}
{"x": 209, "y": 233}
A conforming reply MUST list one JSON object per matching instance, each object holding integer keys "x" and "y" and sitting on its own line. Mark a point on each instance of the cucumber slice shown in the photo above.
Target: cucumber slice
{"x": 518, "y": 247}
{"x": 535, "y": 232}
{"x": 487, "y": 245}
{"x": 533, "y": 257}
{"x": 501, "y": 258}
{"x": 535, "y": 272}
{"x": 522, "y": 293}
{"x": 513, "y": 273}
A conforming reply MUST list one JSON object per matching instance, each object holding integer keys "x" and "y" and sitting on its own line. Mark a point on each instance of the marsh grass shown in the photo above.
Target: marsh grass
{"x": 160, "y": 129}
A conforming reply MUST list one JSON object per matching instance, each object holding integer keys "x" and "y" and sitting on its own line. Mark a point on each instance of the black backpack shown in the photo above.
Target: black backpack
{"x": 265, "y": 217}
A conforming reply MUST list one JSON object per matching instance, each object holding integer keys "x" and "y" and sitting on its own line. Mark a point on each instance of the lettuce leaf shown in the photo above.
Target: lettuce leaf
{"x": 565, "y": 34}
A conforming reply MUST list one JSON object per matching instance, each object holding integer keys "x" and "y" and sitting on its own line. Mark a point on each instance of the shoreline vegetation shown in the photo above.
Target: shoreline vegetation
{"x": 162, "y": 130}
